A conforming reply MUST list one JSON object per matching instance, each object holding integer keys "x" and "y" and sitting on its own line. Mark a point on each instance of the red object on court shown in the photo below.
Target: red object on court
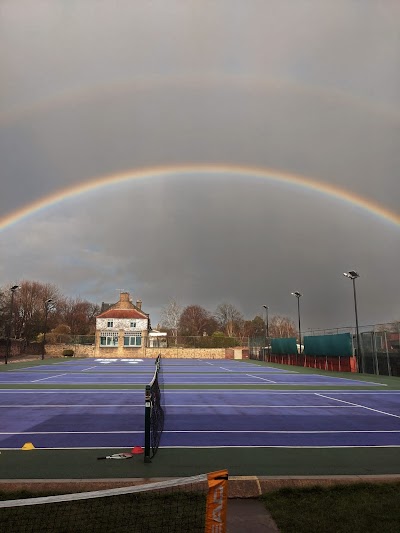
{"x": 137, "y": 450}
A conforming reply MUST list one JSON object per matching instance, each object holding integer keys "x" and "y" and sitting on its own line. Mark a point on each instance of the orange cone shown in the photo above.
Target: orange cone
{"x": 137, "y": 450}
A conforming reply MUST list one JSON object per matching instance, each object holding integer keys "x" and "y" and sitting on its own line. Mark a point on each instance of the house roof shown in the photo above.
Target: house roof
{"x": 122, "y": 313}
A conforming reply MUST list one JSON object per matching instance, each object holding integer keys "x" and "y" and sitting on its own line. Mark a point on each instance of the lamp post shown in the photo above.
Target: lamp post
{"x": 9, "y": 327}
{"x": 353, "y": 275}
{"x": 47, "y": 305}
{"x": 298, "y": 296}
{"x": 267, "y": 328}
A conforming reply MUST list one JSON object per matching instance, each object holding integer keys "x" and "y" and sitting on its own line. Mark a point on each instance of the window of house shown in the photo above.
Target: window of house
{"x": 133, "y": 324}
{"x": 133, "y": 339}
{"x": 110, "y": 323}
{"x": 109, "y": 338}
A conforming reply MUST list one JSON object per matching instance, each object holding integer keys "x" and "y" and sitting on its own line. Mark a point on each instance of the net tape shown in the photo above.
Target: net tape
{"x": 173, "y": 483}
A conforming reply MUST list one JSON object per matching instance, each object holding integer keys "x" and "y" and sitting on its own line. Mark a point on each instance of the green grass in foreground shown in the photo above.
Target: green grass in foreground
{"x": 357, "y": 508}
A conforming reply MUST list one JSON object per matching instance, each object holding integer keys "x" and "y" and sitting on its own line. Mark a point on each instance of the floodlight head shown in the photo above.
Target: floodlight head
{"x": 297, "y": 294}
{"x": 265, "y": 306}
{"x": 49, "y": 301}
{"x": 352, "y": 274}
{"x": 14, "y": 288}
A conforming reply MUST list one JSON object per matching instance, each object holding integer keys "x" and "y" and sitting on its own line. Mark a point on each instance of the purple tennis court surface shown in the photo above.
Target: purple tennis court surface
{"x": 83, "y": 418}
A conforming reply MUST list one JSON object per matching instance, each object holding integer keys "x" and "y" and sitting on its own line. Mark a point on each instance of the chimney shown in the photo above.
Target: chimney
{"x": 139, "y": 304}
{"x": 124, "y": 301}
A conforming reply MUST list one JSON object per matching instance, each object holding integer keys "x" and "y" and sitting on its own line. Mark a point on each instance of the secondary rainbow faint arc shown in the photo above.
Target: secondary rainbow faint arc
{"x": 269, "y": 174}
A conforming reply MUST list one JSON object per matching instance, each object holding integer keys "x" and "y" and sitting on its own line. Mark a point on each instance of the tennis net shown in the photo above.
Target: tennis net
{"x": 154, "y": 414}
{"x": 194, "y": 504}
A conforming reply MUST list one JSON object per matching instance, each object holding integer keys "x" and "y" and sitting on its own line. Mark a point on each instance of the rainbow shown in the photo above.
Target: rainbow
{"x": 271, "y": 175}
{"x": 82, "y": 95}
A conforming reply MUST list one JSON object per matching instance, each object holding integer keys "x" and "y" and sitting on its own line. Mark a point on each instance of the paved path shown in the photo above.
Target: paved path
{"x": 249, "y": 514}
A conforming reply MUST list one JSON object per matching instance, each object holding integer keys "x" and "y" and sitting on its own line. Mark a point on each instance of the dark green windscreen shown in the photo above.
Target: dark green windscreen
{"x": 284, "y": 346}
{"x": 331, "y": 345}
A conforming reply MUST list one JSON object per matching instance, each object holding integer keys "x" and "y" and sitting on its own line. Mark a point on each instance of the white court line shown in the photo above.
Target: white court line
{"x": 57, "y": 406}
{"x": 351, "y": 379}
{"x": 90, "y": 367}
{"x": 257, "y": 377}
{"x": 222, "y": 392}
{"x": 358, "y": 405}
{"x": 228, "y": 369}
{"x": 206, "y": 431}
{"x": 207, "y": 363}
{"x": 50, "y": 377}
{"x": 184, "y": 405}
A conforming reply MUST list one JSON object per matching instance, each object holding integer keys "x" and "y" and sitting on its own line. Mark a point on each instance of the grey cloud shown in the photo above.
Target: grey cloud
{"x": 310, "y": 88}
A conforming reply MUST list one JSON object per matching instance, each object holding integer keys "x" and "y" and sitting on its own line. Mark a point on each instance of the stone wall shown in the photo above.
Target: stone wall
{"x": 187, "y": 353}
{"x": 82, "y": 350}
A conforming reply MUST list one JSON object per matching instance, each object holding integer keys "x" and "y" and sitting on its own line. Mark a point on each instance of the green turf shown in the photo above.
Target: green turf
{"x": 174, "y": 462}
{"x": 358, "y": 508}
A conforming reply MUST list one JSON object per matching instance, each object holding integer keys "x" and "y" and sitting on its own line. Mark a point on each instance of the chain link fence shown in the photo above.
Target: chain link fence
{"x": 379, "y": 344}
{"x": 201, "y": 341}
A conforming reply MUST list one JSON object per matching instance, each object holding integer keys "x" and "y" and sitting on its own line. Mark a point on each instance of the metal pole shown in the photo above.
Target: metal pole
{"x": 298, "y": 312}
{"x": 47, "y": 304}
{"x": 8, "y": 340}
{"x": 46, "y": 311}
{"x": 9, "y": 328}
{"x": 359, "y": 354}
{"x": 266, "y": 332}
{"x": 268, "y": 343}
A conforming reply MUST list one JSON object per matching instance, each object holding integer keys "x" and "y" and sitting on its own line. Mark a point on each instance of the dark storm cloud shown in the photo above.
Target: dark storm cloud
{"x": 307, "y": 87}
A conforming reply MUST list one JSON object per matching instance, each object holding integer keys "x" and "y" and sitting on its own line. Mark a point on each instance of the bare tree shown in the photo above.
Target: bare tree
{"x": 29, "y": 308}
{"x": 255, "y": 327}
{"x": 79, "y": 315}
{"x": 194, "y": 320}
{"x": 282, "y": 326}
{"x": 228, "y": 318}
{"x": 170, "y": 315}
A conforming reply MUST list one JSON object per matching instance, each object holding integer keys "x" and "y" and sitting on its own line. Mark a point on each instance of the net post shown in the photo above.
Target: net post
{"x": 217, "y": 498}
{"x": 147, "y": 418}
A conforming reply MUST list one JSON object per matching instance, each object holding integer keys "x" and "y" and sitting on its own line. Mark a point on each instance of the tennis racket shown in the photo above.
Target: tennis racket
{"x": 117, "y": 456}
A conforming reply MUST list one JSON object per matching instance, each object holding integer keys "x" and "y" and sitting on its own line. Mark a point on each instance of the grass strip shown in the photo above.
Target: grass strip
{"x": 354, "y": 508}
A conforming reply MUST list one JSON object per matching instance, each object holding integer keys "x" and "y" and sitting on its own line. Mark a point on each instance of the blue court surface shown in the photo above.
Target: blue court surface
{"x": 207, "y": 417}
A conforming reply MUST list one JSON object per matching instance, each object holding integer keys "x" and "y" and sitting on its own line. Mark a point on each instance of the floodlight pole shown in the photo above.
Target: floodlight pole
{"x": 9, "y": 327}
{"x": 298, "y": 296}
{"x": 47, "y": 305}
{"x": 353, "y": 275}
{"x": 267, "y": 329}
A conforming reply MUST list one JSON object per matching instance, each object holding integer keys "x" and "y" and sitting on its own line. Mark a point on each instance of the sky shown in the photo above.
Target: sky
{"x": 170, "y": 92}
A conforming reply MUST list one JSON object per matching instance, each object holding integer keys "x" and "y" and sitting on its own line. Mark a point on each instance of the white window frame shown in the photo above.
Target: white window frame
{"x": 108, "y": 339}
{"x": 135, "y": 339}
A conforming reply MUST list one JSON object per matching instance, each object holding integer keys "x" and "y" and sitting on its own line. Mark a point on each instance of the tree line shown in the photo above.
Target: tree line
{"x": 37, "y": 307}
{"x": 41, "y": 307}
{"x": 227, "y": 320}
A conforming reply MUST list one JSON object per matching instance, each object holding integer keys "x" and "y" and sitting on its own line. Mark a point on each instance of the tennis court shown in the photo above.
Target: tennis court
{"x": 99, "y": 403}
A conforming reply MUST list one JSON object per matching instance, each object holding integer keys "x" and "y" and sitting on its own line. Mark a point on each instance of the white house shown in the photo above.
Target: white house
{"x": 123, "y": 329}
{"x": 122, "y": 325}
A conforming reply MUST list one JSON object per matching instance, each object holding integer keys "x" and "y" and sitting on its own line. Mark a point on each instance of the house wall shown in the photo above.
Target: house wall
{"x": 122, "y": 323}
